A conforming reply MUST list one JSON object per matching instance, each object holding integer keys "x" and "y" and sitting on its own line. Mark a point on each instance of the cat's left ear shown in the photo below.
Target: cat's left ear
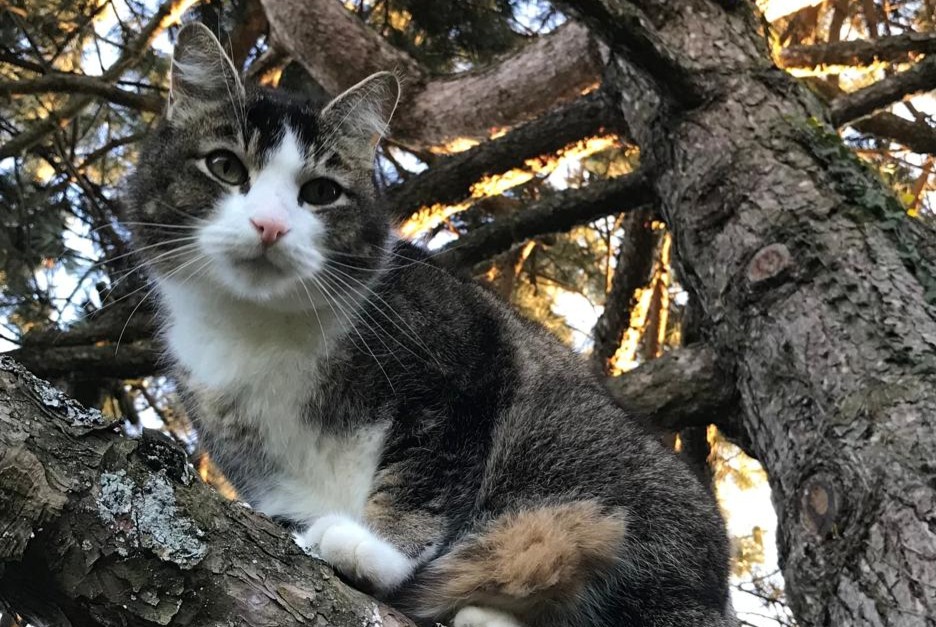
{"x": 362, "y": 113}
{"x": 201, "y": 70}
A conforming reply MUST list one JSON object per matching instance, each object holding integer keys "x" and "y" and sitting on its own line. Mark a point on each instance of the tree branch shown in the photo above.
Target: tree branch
{"x": 450, "y": 179}
{"x": 335, "y": 46}
{"x": 338, "y": 50}
{"x": 103, "y": 529}
{"x": 921, "y": 77}
{"x": 81, "y": 84}
{"x": 637, "y": 40}
{"x": 91, "y": 361}
{"x": 686, "y": 387}
{"x": 551, "y": 70}
{"x": 859, "y": 51}
{"x": 35, "y": 133}
{"x": 252, "y": 24}
{"x": 556, "y": 213}
{"x": 918, "y": 137}
{"x": 166, "y": 14}
{"x": 634, "y": 265}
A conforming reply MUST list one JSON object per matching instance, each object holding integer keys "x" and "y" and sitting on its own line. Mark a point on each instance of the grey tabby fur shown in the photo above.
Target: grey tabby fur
{"x": 438, "y": 449}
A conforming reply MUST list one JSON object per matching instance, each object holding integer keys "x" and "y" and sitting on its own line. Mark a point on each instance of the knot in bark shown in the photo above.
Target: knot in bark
{"x": 768, "y": 263}
{"x": 820, "y": 504}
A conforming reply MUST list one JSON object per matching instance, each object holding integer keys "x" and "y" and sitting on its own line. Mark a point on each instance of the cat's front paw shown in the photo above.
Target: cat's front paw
{"x": 356, "y": 552}
{"x": 473, "y": 616}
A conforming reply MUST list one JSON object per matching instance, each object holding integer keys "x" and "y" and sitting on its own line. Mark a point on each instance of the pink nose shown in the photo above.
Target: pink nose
{"x": 270, "y": 229}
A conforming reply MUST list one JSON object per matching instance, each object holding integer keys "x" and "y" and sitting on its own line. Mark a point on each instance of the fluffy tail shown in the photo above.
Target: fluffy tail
{"x": 532, "y": 564}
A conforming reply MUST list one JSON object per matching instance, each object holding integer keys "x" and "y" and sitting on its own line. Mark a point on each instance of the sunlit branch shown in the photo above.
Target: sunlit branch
{"x": 683, "y": 388}
{"x": 450, "y": 179}
{"x": 858, "y": 51}
{"x": 921, "y": 77}
{"x": 556, "y": 213}
{"x": 631, "y": 272}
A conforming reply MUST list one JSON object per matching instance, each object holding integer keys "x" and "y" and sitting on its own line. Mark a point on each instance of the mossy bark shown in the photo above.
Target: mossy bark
{"x": 99, "y": 529}
{"x": 818, "y": 292}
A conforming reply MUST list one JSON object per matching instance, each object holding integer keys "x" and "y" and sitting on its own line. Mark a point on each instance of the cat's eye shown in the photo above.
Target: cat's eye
{"x": 320, "y": 191}
{"x": 225, "y": 165}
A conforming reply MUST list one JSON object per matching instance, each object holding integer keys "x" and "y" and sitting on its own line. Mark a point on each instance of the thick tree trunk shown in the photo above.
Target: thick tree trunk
{"x": 817, "y": 290}
{"x": 103, "y": 530}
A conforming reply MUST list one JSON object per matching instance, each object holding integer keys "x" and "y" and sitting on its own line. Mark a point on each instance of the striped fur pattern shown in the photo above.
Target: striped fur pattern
{"x": 437, "y": 449}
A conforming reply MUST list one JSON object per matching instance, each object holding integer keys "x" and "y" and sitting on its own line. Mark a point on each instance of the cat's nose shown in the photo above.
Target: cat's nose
{"x": 270, "y": 229}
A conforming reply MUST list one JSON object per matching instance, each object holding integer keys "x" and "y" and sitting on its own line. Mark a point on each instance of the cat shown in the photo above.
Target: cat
{"x": 437, "y": 449}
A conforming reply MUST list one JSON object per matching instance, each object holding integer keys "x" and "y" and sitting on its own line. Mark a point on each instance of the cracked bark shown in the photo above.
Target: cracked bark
{"x": 820, "y": 301}
{"x": 104, "y": 530}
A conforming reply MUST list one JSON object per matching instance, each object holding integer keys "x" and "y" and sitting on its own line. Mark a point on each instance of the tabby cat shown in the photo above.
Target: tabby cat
{"x": 434, "y": 447}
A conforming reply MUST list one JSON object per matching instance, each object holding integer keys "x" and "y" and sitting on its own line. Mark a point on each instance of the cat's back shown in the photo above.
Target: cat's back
{"x": 551, "y": 433}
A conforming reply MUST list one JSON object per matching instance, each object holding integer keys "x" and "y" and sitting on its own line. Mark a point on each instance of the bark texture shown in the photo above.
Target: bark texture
{"x": 339, "y": 50}
{"x": 820, "y": 301}
{"x": 683, "y": 388}
{"x": 103, "y": 530}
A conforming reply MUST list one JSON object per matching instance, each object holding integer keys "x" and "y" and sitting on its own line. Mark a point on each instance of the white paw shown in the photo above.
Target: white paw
{"x": 483, "y": 617}
{"x": 356, "y": 552}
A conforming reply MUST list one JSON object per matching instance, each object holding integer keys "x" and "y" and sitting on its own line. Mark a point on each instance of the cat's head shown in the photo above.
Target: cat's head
{"x": 256, "y": 193}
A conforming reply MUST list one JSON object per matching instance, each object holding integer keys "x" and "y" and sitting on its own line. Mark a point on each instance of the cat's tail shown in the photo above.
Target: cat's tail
{"x": 531, "y": 564}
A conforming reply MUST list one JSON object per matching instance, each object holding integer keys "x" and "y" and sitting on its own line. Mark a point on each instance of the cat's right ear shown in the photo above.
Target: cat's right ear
{"x": 201, "y": 70}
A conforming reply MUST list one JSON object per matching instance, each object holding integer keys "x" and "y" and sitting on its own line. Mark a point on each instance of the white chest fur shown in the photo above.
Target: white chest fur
{"x": 268, "y": 362}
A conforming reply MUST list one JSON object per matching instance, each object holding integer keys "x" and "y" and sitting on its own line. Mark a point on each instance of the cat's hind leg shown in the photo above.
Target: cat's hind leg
{"x": 531, "y": 566}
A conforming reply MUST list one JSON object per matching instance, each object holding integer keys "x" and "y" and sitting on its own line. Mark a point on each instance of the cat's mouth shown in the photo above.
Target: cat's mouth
{"x": 259, "y": 263}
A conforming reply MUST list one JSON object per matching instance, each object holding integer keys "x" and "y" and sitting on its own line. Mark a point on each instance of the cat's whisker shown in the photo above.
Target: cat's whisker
{"x": 184, "y": 214}
{"x": 180, "y": 250}
{"x": 411, "y": 334}
{"x": 355, "y": 329}
{"x": 351, "y": 306}
{"x": 377, "y": 270}
{"x": 391, "y": 253}
{"x": 317, "y": 317}
{"x": 110, "y": 289}
{"x": 142, "y": 300}
{"x": 429, "y": 255}
{"x": 357, "y": 309}
{"x": 157, "y": 225}
{"x": 365, "y": 96}
{"x": 112, "y": 303}
{"x": 237, "y": 103}
{"x": 196, "y": 272}
{"x": 373, "y": 292}
{"x": 139, "y": 249}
